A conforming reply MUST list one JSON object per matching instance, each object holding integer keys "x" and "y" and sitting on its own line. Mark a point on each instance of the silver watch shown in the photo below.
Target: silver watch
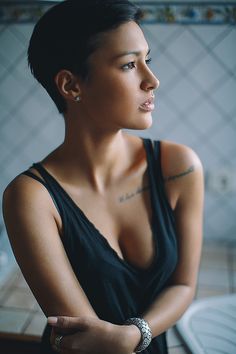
{"x": 146, "y": 333}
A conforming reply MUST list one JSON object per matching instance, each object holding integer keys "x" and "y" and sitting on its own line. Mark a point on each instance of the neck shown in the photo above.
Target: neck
{"x": 98, "y": 158}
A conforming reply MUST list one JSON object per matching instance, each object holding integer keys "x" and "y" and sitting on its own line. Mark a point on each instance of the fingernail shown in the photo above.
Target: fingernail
{"x": 52, "y": 320}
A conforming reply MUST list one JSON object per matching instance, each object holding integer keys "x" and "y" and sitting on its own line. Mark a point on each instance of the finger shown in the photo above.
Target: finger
{"x": 68, "y": 344}
{"x": 57, "y": 345}
{"x": 52, "y": 337}
{"x": 60, "y": 350}
{"x": 56, "y": 349}
{"x": 54, "y": 333}
{"x": 68, "y": 324}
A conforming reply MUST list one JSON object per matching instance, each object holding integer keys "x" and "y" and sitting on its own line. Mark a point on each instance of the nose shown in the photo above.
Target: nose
{"x": 150, "y": 81}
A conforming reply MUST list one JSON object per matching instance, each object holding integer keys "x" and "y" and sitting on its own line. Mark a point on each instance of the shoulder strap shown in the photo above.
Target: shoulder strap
{"x": 42, "y": 171}
{"x": 32, "y": 175}
{"x": 154, "y": 155}
{"x": 157, "y": 157}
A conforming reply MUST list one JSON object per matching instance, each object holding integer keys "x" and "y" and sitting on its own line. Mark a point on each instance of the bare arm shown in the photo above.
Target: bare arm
{"x": 29, "y": 215}
{"x": 185, "y": 182}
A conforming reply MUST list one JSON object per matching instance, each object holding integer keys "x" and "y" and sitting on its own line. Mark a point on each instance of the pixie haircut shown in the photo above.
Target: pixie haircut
{"x": 68, "y": 33}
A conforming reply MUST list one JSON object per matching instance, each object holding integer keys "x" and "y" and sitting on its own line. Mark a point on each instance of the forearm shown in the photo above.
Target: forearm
{"x": 168, "y": 307}
{"x": 161, "y": 315}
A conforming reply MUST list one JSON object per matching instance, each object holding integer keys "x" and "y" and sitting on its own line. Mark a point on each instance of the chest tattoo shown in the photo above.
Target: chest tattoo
{"x": 128, "y": 195}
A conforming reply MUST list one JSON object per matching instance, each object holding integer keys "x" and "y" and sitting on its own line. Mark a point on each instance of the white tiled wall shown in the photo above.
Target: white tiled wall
{"x": 196, "y": 105}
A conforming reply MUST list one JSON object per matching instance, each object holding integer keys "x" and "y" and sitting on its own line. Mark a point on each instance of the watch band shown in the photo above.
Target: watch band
{"x": 146, "y": 333}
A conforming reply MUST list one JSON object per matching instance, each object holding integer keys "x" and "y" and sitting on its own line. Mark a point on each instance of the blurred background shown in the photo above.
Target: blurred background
{"x": 193, "y": 50}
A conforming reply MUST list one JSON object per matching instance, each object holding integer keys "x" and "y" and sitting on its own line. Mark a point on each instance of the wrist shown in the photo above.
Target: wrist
{"x": 131, "y": 336}
{"x": 145, "y": 331}
{"x": 125, "y": 337}
{"x": 134, "y": 335}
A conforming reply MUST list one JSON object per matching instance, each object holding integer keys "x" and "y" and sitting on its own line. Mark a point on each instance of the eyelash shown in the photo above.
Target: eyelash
{"x": 131, "y": 65}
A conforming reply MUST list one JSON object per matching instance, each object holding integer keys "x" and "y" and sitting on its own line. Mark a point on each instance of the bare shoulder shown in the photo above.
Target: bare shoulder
{"x": 28, "y": 191}
{"x": 183, "y": 174}
{"x": 178, "y": 161}
{"x": 23, "y": 189}
{"x": 24, "y": 195}
{"x": 36, "y": 243}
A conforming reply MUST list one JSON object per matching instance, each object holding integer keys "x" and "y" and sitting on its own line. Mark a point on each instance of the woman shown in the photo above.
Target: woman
{"x": 107, "y": 227}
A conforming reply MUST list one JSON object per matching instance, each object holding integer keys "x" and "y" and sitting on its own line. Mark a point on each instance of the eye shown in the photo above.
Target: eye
{"x": 129, "y": 66}
{"x": 148, "y": 61}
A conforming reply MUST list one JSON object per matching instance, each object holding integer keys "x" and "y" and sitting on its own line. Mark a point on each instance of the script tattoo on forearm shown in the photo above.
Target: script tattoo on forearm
{"x": 172, "y": 178}
{"x": 130, "y": 195}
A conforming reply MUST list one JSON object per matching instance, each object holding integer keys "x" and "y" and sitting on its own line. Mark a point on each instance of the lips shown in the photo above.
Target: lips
{"x": 148, "y": 105}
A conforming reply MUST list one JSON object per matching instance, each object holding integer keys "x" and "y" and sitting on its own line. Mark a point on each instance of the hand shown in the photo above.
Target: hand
{"x": 90, "y": 335}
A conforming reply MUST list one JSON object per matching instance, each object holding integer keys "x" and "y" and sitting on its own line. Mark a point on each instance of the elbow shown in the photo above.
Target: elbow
{"x": 189, "y": 292}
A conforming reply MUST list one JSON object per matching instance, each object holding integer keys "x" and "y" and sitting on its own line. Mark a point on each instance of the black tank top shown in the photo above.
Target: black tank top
{"x": 116, "y": 289}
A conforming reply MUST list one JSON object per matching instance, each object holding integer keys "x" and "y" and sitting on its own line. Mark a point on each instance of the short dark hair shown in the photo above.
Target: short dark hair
{"x": 66, "y": 35}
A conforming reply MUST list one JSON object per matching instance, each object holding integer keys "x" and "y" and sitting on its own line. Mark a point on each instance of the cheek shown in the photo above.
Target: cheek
{"x": 114, "y": 84}
{"x": 114, "y": 95}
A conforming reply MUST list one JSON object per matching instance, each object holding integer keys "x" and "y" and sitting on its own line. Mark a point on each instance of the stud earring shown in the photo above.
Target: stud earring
{"x": 77, "y": 98}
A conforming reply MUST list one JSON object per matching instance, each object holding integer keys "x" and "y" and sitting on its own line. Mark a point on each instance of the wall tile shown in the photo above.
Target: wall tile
{"x": 183, "y": 54}
{"x": 21, "y": 299}
{"x": 205, "y": 117}
{"x": 224, "y": 94}
{"x": 173, "y": 338}
{"x": 13, "y": 45}
{"x": 36, "y": 325}
{"x": 210, "y": 278}
{"x": 210, "y": 68}
{"x": 178, "y": 350}
{"x": 226, "y": 50}
{"x": 12, "y": 321}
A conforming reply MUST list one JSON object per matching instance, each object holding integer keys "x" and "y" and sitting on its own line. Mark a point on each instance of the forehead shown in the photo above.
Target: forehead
{"x": 126, "y": 37}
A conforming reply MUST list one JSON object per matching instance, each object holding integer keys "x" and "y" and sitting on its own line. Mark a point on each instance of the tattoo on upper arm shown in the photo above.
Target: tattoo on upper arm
{"x": 172, "y": 178}
{"x": 130, "y": 195}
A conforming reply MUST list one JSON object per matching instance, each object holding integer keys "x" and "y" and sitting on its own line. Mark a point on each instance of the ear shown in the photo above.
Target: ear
{"x": 67, "y": 84}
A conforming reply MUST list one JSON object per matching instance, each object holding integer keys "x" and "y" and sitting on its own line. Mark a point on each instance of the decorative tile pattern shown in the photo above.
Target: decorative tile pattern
{"x": 153, "y": 12}
{"x": 22, "y": 12}
{"x": 187, "y": 13}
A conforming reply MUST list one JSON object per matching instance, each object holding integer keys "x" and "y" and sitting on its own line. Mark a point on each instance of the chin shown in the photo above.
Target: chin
{"x": 139, "y": 122}
{"x": 144, "y": 123}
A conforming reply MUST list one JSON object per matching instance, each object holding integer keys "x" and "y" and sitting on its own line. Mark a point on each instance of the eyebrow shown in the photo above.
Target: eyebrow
{"x": 137, "y": 53}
